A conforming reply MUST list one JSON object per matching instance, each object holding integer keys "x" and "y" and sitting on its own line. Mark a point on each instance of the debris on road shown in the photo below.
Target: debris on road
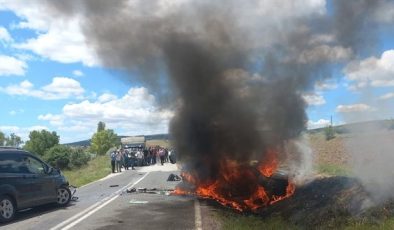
{"x": 174, "y": 177}
{"x": 141, "y": 189}
{"x": 138, "y": 201}
{"x": 73, "y": 190}
{"x": 114, "y": 185}
{"x": 166, "y": 192}
{"x": 130, "y": 190}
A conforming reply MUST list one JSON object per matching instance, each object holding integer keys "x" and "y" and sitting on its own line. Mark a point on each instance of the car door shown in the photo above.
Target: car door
{"x": 14, "y": 178}
{"x": 44, "y": 183}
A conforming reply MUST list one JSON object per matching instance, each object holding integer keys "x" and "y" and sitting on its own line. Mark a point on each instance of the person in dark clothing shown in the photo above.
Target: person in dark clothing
{"x": 162, "y": 156}
{"x": 172, "y": 156}
{"x": 132, "y": 157}
{"x": 126, "y": 157}
{"x": 113, "y": 159}
{"x": 166, "y": 155}
{"x": 146, "y": 158}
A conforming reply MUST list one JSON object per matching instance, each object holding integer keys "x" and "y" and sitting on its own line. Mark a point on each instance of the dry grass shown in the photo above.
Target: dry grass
{"x": 233, "y": 221}
{"x": 97, "y": 168}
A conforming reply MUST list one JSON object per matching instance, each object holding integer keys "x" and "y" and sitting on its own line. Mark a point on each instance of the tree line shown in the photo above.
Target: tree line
{"x": 45, "y": 144}
{"x": 11, "y": 140}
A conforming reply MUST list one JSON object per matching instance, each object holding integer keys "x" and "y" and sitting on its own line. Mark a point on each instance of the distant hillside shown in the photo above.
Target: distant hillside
{"x": 86, "y": 143}
{"x": 346, "y": 128}
{"x": 389, "y": 124}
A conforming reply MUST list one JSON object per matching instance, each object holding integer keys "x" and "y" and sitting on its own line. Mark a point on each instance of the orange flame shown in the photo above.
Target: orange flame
{"x": 237, "y": 185}
{"x": 270, "y": 164}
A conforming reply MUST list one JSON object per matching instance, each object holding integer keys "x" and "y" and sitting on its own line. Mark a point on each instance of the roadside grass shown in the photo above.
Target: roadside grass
{"x": 234, "y": 221}
{"x": 96, "y": 168}
{"x": 332, "y": 169}
{"x": 362, "y": 225}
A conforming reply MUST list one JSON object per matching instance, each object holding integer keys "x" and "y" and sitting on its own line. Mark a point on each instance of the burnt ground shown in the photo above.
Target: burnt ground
{"x": 321, "y": 201}
{"x": 324, "y": 203}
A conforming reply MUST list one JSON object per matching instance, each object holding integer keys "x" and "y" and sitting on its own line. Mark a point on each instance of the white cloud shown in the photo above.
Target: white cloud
{"x": 78, "y": 73}
{"x": 9, "y": 129}
{"x": 354, "y": 108}
{"x": 318, "y": 124}
{"x": 61, "y": 38}
{"x": 387, "y": 96}
{"x": 30, "y": 12}
{"x": 64, "y": 42}
{"x": 376, "y": 72}
{"x": 63, "y": 87}
{"x": 15, "y": 112}
{"x": 107, "y": 97}
{"x": 136, "y": 112}
{"x": 11, "y": 66}
{"x": 4, "y": 35}
{"x": 137, "y": 105}
{"x": 314, "y": 99}
{"x": 56, "y": 120}
{"x": 23, "y": 132}
{"x": 58, "y": 39}
{"x": 59, "y": 88}
{"x": 326, "y": 86}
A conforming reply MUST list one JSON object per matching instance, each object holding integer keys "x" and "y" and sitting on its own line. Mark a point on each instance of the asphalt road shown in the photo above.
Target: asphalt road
{"x": 105, "y": 204}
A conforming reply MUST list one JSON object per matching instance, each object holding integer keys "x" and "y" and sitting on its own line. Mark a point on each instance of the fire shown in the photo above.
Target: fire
{"x": 238, "y": 186}
{"x": 270, "y": 164}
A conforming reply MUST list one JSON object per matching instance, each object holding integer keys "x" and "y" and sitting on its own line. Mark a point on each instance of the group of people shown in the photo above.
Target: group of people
{"x": 131, "y": 157}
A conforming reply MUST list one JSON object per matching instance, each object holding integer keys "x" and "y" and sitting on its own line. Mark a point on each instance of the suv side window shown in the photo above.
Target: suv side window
{"x": 32, "y": 165}
{"x": 10, "y": 163}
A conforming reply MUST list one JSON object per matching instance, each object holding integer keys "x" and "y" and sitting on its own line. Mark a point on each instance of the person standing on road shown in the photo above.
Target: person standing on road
{"x": 126, "y": 158}
{"x": 113, "y": 159}
{"x": 166, "y": 155}
{"x": 119, "y": 161}
{"x": 162, "y": 156}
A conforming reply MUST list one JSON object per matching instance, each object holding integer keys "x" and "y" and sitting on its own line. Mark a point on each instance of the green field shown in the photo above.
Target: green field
{"x": 97, "y": 168}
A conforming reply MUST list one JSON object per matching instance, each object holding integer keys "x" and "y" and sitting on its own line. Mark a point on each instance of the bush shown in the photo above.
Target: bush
{"x": 78, "y": 158}
{"x": 64, "y": 157}
{"x": 58, "y": 156}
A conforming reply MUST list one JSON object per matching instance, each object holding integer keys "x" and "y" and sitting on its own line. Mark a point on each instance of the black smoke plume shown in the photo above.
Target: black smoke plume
{"x": 234, "y": 72}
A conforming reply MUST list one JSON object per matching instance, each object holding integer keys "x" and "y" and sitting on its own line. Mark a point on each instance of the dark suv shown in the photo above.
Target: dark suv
{"x": 26, "y": 181}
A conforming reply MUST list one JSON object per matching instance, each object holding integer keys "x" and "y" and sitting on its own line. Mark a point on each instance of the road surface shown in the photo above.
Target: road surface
{"x": 105, "y": 204}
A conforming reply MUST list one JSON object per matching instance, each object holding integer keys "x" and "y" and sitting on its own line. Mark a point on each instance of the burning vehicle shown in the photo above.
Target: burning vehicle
{"x": 242, "y": 186}
{"x": 223, "y": 71}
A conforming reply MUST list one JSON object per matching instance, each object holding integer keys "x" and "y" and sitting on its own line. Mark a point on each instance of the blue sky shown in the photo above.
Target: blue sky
{"x": 51, "y": 79}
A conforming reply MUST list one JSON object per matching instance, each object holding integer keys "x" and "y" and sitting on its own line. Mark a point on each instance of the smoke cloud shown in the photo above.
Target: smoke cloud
{"x": 233, "y": 71}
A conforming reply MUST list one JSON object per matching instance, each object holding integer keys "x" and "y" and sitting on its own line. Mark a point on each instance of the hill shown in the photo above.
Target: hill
{"x": 86, "y": 143}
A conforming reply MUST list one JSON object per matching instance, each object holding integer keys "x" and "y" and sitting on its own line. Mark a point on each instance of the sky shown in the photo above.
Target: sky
{"x": 50, "y": 78}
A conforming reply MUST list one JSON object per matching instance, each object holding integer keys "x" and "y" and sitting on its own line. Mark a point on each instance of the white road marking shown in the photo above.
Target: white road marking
{"x": 72, "y": 221}
{"x": 197, "y": 215}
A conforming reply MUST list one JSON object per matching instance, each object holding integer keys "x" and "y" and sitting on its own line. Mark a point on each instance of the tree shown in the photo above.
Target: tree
{"x": 13, "y": 140}
{"x": 78, "y": 158}
{"x": 103, "y": 140}
{"x": 41, "y": 141}
{"x": 100, "y": 126}
{"x": 58, "y": 156}
{"x": 2, "y": 139}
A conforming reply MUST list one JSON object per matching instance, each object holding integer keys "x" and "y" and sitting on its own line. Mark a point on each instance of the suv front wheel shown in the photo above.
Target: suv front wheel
{"x": 63, "y": 196}
{"x": 7, "y": 208}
